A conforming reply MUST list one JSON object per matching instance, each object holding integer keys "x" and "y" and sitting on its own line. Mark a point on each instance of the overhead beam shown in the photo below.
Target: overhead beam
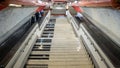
{"x": 5, "y": 3}
{"x": 95, "y": 3}
{"x": 98, "y": 3}
{"x": 60, "y": 0}
{"x": 77, "y": 8}
{"x": 28, "y": 2}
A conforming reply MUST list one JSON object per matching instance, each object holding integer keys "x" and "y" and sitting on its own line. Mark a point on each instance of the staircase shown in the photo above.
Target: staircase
{"x": 59, "y": 48}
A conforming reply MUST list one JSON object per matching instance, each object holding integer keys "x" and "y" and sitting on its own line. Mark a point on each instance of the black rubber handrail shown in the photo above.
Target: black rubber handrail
{"x": 8, "y": 47}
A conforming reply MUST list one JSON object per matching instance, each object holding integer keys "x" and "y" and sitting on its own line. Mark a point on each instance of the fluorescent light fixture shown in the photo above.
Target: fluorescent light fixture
{"x": 75, "y": 1}
{"x": 59, "y": 8}
{"x": 15, "y": 5}
{"x": 39, "y": 1}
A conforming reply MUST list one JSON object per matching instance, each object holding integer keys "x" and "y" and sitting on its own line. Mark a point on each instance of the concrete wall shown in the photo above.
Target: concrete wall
{"x": 107, "y": 19}
{"x": 11, "y": 18}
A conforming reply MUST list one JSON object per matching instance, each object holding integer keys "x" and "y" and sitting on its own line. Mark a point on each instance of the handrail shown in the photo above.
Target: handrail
{"x": 100, "y": 53}
{"x": 45, "y": 19}
{"x": 71, "y": 19}
{"x": 73, "y": 22}
{"x": 104, "y": 43}
{"x": 23, "y": 52}
{"x": 21, "y": 49}
{"x": 23, "y": 58}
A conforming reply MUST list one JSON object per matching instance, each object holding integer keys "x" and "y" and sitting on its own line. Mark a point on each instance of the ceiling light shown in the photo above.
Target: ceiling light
{"x": 15, "y": 5}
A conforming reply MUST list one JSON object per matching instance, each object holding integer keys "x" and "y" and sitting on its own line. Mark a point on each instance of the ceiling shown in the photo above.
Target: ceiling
{"x": 30, "y": 2}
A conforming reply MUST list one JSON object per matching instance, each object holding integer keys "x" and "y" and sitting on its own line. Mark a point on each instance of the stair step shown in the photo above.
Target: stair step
{"x": 58, "y": 62}
{"x": 73, "y": 53}
{"x": 59, "y": 66}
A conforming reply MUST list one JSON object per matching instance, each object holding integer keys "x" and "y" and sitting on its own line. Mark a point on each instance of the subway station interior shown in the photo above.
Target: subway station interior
{"x": 59, "y": 33}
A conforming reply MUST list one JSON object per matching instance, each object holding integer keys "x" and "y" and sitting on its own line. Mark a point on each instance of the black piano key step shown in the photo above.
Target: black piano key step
{"x": 48, "y": 29}
{"x": 50, "y": 26}
{"x": 48, "y": 32}
{"x": 36, "y": 66}
{"x": 47, "y": 35}
{"x": 41, "y": 49}
{"x": 44, "y": 40}
{"x": 39, "y": 57}
{"x": 52, "y": 20}
{"x": 42, "y": 45}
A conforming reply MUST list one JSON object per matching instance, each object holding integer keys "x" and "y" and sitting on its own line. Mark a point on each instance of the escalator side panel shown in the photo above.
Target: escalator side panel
{"x": 109, "y": 47}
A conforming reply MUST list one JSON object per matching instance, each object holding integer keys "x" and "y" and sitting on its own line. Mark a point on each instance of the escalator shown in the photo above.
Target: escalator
{"x": 98, "y": 43}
